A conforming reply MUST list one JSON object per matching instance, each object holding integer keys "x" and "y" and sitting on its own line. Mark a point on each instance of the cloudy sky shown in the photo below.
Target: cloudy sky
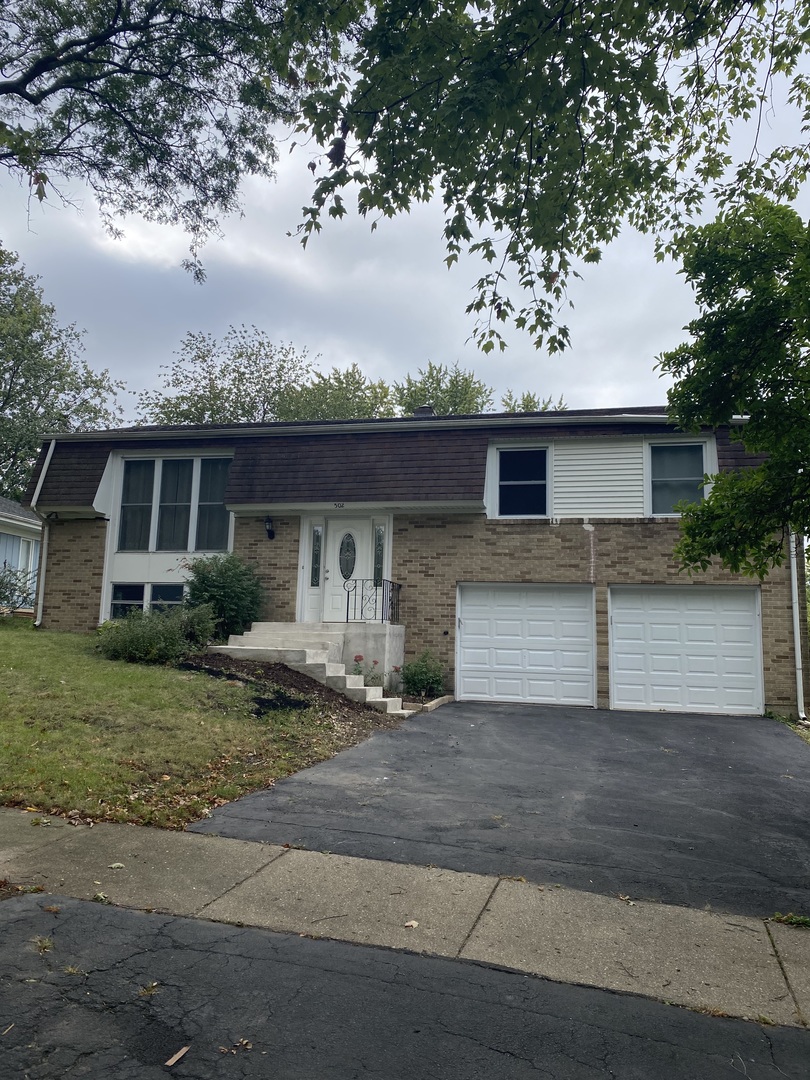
{"x": 384, "y": 299}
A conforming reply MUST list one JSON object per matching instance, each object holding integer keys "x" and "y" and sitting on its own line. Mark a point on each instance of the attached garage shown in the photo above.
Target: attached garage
{"x": 686, "y": 649}
{"x": 529, "y": 643}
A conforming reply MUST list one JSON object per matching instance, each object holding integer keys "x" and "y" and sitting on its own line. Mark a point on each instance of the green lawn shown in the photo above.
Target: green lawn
{"x": 126, "y": 742}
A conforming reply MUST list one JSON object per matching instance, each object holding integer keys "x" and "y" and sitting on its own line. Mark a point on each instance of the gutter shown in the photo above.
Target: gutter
{"x": 797, "y": 640}
{"x": 443, "y": 423}
{"x": 43, "y": 560}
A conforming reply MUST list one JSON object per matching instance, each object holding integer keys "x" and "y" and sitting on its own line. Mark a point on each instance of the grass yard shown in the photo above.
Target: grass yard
{"x": 111, "y": 741}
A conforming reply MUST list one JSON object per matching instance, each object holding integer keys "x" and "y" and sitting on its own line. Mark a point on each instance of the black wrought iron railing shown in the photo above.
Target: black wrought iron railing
{"x": 372, "y": 600}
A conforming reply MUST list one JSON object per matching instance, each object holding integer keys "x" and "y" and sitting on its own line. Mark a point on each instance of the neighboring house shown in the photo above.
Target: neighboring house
{"x": 531, "y": 553}
{"x": 20, "y": 532}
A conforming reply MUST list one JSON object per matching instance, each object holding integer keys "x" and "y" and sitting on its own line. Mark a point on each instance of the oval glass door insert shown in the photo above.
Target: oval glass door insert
{"x": 347, "y": 556}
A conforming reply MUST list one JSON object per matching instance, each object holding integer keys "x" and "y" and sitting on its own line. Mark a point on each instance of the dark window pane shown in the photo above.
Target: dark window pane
{"x": 677, "y": 462}
{"x": 347, "y": 556}
{"x": 666, "y": 494}
{"x": 522, "y": 465}
{"x": 164, "y": 596}
{"x": 677, "y": 472}
{"x": 315, "y": 568}
{"x": 136, "y": 506}
{"x": 213, "y": 479}
{"x": 212, "y": 528}
{"x": 213, "y": 519}
{"x": 175, "y": 506}
{"x": 138, "y": 480}
{"x": 126, "y": 598}
{"x": 518, "y": 500}
{"x": 379, "y": 554}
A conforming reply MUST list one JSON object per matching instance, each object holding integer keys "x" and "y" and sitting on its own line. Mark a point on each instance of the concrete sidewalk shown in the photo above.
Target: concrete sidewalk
{"x": 722, "y": 964}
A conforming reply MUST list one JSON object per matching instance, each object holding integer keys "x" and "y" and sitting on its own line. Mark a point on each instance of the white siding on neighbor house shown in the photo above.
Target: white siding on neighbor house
{"x": 598, "y": 478}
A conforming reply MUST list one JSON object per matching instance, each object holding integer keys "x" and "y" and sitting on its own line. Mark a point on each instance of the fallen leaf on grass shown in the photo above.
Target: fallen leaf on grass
{"x": 176, "y": 1057}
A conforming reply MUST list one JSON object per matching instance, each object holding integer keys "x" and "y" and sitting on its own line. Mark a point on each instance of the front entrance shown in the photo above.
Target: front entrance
{"x": 341, "y": 557}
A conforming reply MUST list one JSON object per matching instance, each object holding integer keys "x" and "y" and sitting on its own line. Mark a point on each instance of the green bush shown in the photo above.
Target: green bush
{"x": 424, "y": 676}
{"x": 230, "y": 586}
{"x": 157, "y": 637}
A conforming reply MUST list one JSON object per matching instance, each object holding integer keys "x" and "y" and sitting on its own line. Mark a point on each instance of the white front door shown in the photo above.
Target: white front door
{"x": 347, "y": 558}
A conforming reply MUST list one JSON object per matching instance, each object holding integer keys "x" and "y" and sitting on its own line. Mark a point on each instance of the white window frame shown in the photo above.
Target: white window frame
{"x": 196, "y": 460}
{"x": 709, "y": 466}
{"x": 493, "y": 478}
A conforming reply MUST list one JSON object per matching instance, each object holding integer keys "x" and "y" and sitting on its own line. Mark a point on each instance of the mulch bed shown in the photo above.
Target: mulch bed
{"x": 279, "y": 687}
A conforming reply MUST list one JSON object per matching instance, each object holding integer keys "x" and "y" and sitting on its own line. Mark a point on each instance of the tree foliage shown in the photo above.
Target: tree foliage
{"x": 544, "y": 127}
{"x": 45, "y": 386}
{"x": 449, "y": 390}
{"x": 245, "y": 378}
{"x": 749, "y": 356}
{"x": 337, "y": 395}
{"x": 161, "y": 106}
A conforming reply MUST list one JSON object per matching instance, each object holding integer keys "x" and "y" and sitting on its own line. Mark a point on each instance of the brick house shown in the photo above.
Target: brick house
{"x": 531, "y": 553}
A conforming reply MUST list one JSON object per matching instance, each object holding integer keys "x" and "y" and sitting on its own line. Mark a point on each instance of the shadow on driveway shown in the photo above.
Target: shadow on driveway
{"x": 696, "y": 810}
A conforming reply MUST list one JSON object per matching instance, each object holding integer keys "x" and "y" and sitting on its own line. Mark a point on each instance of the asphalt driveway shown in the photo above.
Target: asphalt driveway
{"x": 696, "y": 810}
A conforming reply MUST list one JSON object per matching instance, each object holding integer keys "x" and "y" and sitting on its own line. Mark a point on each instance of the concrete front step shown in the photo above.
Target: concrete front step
{"x": 290, "y": 657}
{"x": 310, "y": 649}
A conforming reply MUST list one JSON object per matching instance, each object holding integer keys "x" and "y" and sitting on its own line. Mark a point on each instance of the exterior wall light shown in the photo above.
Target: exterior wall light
{"x": 268, "y": 528}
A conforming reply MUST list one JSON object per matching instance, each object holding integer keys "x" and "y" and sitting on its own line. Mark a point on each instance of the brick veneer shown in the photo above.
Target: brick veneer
{"x": 276, "y": 561}
{"x": 431, "y": 555}
{"x": 73, "y": 576}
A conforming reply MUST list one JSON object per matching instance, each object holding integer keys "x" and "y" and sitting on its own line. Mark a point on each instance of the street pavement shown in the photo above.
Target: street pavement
{"x": 93, "y": 992}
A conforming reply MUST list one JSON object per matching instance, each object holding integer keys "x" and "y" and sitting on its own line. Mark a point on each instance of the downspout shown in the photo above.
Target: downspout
{"x": 797, "y": 640}
{"x": 43, "y": 560}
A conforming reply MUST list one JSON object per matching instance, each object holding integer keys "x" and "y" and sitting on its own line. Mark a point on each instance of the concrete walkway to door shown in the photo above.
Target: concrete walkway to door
{"x": 704, "y": 811}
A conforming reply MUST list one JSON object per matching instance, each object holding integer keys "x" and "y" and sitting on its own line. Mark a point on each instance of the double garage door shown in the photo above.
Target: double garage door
{"x": 693, "y": 649}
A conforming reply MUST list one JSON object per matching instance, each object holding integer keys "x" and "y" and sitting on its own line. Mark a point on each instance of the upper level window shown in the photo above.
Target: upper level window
{"x": 676, "y": 475}
{"x": 522, "y": 482}
{"x": 174, "y": 504}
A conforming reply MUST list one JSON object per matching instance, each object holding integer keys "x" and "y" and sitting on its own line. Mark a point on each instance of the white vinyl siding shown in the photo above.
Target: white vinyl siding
{"x": 686, "y": 649}
{"x": 598, "y": 478}
{"x": 526, "y": 643}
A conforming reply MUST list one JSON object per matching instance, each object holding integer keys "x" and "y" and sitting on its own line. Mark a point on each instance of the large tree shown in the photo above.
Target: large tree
{"x": 45, "y": 386}
{"x": 544, "y": 127}
{"x": 748, "y": 365}
{"x": 160, "y": 106}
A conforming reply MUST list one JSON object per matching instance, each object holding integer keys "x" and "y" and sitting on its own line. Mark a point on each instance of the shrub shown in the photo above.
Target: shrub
{"x": 157, "y": 637}
{"x": 230, "y": 586}
{"x": 423, "y": 676}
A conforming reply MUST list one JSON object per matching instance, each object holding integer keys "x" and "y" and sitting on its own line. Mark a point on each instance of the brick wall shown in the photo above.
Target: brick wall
{"x": 431, "y": 555}
{"x": 73, "y": 576}
{"x": 276, "y": 561}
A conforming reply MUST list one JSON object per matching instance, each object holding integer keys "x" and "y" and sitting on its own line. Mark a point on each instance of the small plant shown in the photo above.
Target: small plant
{"x": 42, "y": 944}
{"x": 423, "y": 677}
{"x": 149, "y": 990}
{"x": 792, "y": 920}
{"x": 232, "y": 589}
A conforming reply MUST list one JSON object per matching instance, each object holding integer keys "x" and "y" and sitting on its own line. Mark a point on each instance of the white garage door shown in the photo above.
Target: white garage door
{"x": 526, "y": 643}
{"x": 686, "y": 649}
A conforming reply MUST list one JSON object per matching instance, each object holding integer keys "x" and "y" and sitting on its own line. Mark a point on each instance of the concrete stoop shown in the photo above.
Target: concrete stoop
{"x": 310, "y": 649}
